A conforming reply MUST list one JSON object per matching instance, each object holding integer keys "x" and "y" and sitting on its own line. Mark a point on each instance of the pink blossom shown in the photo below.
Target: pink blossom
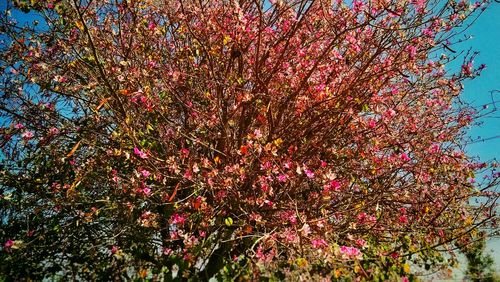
{"x": 412, "y": 50}
{"x": 403, "y": 219}
{"x": 257, "y": 133}
{"x": 147, "y": 191}
{"x": 364, "y": 218}
{"x": 9, "y": 244}
{"x": 350, "y": 252}
{"x": 282, "y": 178}
{"x": 140, "y": 153}
{"x": 358, "y": 5}
{"x": 305, "y": 230}
{"x": 54, "y": 131}
{"x": 390, "y": 113}
{"x": 428, "y": 32}
{"x": 145, "y": 173}
{"x": 309, "y": 173}
{"x": 433, "y": 148}
{"x": 335, "y": 185}
{"x": 114, "y": 249}
{"x": 404, "y": 157}
{"x": 405, "y": 279}
{"x": 268, "y": 202}
{"x": 420, "y": 4}
{"x": 28, "y": 135}
{"x": 259, "y": 254}
{"x": 467, "y": 69}
{"x": 167, "y": 251}
{"x": 372, "y": 123}
{"x": 265, "y": 166}
{"x": 360, "y": 242}
{"x": 18, "y": 126}
{"x": 188, "y": 174}
{"x": 177, "y": 219}
{"x": 184, "y": 152}
{"x": 319, "y": 243}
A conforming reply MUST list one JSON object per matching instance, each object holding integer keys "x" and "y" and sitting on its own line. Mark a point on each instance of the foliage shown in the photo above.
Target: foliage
{"x": 198, "y": 139}
{"x": 480, "y": 265}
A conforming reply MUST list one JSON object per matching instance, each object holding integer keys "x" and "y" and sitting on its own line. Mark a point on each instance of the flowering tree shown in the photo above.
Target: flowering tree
{"x": 184, "y": 139}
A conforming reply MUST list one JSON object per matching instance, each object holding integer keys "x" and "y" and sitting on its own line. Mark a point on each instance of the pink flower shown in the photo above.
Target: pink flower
{"x": 350, "y": 252}
{"x": 305, "y": 230}
{"x": 364, "y": 218}
{"x": 265, "y": 166}
{"x": 335, "y": 185}
{"x": 390, "y": 113}
{"x": 404, "y": 157}
{"x": 167, "y": 251}
{"x": 28, "y": 135}
{"x": 140, "y": 153}
{"x": 372, "y": 123}
{"x": 53, "y": 131}
{"x": 405, "y": 279}
{"x": 428, "y": 32}
{"x": 9, "y": 244}
{"x": 145, "y": 173}
{"x": 309, "y": 173}
{"x": 146, "y": 191}
{"x": 319, "y": 243}
{"x": 412, "y": 50}
{"x": 467, "y": 69}
{"x": 361, "y": 243}
{"x": 257, "y": 133}
{"x": 433, "y": 148}
{"x": 188, "y": 174}
{"x": 282, "y": 178}
{"x": 18, "y": 126}
{"x": 114, "y": 249}
{"x": 184, "y": 152}
{"x": 177, "y": 219}
{"x": 403, "y": 219}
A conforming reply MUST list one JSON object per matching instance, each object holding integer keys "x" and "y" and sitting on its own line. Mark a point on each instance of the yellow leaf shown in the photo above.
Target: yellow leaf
{"x": 301, "y": 262}
{"x": 228, "y": 221}
{"x": 337, "y": 273}
{"x": 74, "y": 149}
{"x": 79, "y": 25}
{"x": 278, "y": 142}
{"x": 468, "y": 220}
{"x": 406, "y": 268}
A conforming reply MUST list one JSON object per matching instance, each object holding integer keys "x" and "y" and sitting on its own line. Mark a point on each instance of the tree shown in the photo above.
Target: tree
{"x": 237, "y": 139}
{"x": 480, "y": 265}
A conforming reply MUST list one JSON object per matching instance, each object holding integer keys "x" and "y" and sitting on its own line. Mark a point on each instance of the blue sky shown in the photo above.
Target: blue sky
{"x": 486, "y": 40}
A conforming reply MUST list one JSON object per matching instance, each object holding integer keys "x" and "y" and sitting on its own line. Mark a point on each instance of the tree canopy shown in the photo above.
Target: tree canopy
{"x": 238, "y": 139}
